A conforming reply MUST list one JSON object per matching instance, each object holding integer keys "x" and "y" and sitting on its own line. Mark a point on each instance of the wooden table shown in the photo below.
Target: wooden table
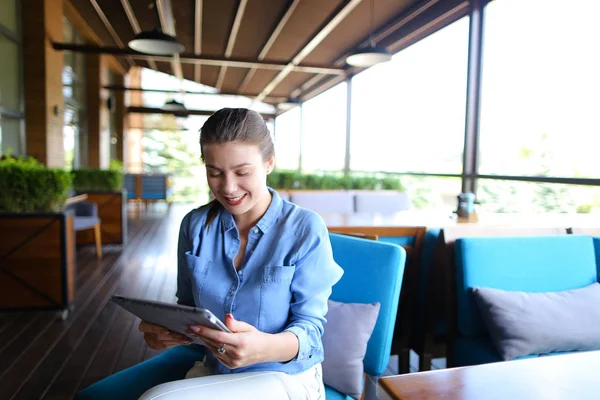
{"x": 568, "y": 377}
{"x": 444, "y": 219}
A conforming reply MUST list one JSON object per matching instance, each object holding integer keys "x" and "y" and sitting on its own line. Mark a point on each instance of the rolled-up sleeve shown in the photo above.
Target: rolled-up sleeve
{"x": 316, "y": 273}
{"x": 184, "y": 286}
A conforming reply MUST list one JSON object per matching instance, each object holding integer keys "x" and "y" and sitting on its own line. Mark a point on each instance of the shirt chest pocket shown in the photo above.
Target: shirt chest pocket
{"x": 276, "y": 296}
{"x": 198, "y": 269}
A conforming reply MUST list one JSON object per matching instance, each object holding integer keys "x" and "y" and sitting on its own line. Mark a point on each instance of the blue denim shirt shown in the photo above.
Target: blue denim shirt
{"x": 284, "y": 284}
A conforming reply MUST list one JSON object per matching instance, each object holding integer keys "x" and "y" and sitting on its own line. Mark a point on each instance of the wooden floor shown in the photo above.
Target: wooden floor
{"x": 44, "y": 357}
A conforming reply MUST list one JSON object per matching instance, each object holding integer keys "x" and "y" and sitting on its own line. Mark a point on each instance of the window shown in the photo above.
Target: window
{"x": 73, "y": 79}
{"x": 540, "y": 85}
{"x": 408, "y": 115}
{"x": 11, "y": 82}
{"x": 324, "y": 131}
{"x": 287, "y": 139}
{"x": 534, "y": 197}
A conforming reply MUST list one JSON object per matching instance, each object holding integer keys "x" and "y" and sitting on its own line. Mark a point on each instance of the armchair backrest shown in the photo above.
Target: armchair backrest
{"x": 529, "y": 264}
{"x": 373, "y": 272}
{"x": 83, "y": 209}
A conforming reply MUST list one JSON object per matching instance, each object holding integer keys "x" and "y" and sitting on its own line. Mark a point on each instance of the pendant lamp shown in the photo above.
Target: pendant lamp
{"x": 371, "y": 55}
{"x": 156, "y": 42}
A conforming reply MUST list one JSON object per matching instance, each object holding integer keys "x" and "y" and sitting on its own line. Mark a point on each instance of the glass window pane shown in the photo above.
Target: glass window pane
{"x": 408, "y": 115}
{"x": 324, "y": 130}
{"x": 432, "y": 193}
{"x": 8, "y": 15}
{"x": 532, "y": 197}
{"x": 540, "y": 102}
{"x": 287, "y": 139}
{"x": 10, "y": 78}
{"x": 10, "y": 136}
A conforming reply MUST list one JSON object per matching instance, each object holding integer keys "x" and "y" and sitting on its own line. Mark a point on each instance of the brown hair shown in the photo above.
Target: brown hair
{"x": 235, "y": 125}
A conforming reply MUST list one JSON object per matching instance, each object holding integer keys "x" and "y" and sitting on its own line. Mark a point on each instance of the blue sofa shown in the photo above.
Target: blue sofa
{"x": 530, "y": 264}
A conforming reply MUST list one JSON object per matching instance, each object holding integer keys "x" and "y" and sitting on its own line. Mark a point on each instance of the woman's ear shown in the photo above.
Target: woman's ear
{"x": 270, "y": 165}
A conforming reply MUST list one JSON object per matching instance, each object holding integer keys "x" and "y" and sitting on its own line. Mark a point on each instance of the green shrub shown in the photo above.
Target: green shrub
{"x": 97, "y": 180}
{"x": 331, "y": 181}
{"x": 28, "y": 186}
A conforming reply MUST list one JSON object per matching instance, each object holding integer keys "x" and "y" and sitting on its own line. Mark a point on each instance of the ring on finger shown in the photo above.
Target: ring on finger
{"x": 221, "y": 350}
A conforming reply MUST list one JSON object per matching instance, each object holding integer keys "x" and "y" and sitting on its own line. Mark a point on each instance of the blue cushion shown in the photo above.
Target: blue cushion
{"x": 332, "y": 394}
{"x": 80, "y": 223}
{"x": 529, "y": 264}
{"x": 399, "y": 240}
{"x": 373, "y": 273}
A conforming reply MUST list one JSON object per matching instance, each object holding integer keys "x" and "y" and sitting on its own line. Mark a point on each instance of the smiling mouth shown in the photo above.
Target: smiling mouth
{"x": 235, "y": 200}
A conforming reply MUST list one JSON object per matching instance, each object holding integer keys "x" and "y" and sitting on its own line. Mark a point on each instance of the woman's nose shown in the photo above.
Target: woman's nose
{"x": 229, "y": 185}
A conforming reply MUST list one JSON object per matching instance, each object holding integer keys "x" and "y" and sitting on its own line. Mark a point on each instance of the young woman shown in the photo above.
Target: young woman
{"x": 261, "y": 264}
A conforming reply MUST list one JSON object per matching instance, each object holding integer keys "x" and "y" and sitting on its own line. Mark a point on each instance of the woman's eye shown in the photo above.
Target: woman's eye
{"x": 242, "y": 173}
{"x": 214, "y": 174}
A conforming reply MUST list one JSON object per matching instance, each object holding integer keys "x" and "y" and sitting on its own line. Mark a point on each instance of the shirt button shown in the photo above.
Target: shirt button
{"x": 231, "y": 292}
{"x": 255, "y": 230}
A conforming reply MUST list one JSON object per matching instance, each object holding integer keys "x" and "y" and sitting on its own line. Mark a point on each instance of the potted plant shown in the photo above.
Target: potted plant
{"x": 37, "y": 244}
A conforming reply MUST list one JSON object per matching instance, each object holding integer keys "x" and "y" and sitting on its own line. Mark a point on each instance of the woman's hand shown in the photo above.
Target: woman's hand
{"x": 245, "y": 346}
{"x": 159, "y": 338}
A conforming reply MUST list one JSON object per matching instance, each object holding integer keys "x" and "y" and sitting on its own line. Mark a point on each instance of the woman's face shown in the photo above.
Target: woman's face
{"x": 237, "y": 177}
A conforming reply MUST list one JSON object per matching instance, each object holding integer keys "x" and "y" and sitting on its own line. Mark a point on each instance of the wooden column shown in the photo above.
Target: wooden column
{"x": 97, "y": 111}
{"x": 42, "y": 66}
{"x": 119, "y": 113}
{"x": 135, "y": 123}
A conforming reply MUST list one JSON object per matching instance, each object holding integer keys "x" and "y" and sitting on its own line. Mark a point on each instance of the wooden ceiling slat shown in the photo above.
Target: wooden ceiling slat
{"x": 258, "y": 82}
{"x": 279, "y": 22}
{"x": 234, "y": 79}
{"x": 216, "y": 25}
{"x": 146, "y": 14}
{"x": 293, "y": 80}
{"x": 235, "y": 28}
{"x": 87, "y": 11}
{"x": 308, "y": 16}
{"x": 355, "y": 27}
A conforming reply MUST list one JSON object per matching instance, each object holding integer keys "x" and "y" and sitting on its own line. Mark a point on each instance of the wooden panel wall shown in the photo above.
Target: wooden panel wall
{"x": 119, "y": 114}
{"x": 42, "y": 24}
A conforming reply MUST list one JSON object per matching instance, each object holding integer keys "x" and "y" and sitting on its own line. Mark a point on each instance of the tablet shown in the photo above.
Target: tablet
{"x": 174, "y": 317}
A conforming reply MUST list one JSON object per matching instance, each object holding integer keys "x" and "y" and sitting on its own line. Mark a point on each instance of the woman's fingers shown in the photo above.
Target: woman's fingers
{"x": 147, "y": 327}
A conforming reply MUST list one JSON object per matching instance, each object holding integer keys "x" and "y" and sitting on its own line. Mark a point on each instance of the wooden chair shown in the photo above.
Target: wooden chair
{"x": 86, "y": 217}
{"x": 440, "y": 294}
{"x": 411, "y": 239}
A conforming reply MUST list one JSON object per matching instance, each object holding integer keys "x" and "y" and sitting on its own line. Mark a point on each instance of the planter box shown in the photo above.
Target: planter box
{"x": 37, "y": 261}
{"x": 112, "y": 211}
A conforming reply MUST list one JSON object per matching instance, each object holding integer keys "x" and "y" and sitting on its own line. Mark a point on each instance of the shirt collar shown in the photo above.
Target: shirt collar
{"x": 267, "y": 220}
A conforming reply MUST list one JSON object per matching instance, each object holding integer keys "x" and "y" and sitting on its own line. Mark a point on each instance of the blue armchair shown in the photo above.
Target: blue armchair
{"x": 373, "y": 272}
{"x": 86, "y": 217}
{"x": 528, "y": 264}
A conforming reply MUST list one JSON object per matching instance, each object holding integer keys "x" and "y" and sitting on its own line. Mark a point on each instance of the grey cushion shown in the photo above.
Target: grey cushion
{"x": 347, "y": 333}
{"x": 523, "y": 323}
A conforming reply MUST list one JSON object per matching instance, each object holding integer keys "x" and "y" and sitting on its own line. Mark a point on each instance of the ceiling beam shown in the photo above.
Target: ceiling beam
{"x": 135, "y": 26}
{"x": 198, "y": 38}
{"x": 149, "y": 110}
{"x": 194, "y": 59}
{"x": 110, "y": 28}
{"x": 116, "y": 88}
{"x": 231, "y": 42}
{"x": 167, "y": 23}
{"x": 274, "y": 35}
{"x": 331, "y": 24}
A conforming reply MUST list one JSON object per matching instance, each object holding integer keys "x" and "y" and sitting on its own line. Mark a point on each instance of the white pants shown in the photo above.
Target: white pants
{"x": 270, "y": 385}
